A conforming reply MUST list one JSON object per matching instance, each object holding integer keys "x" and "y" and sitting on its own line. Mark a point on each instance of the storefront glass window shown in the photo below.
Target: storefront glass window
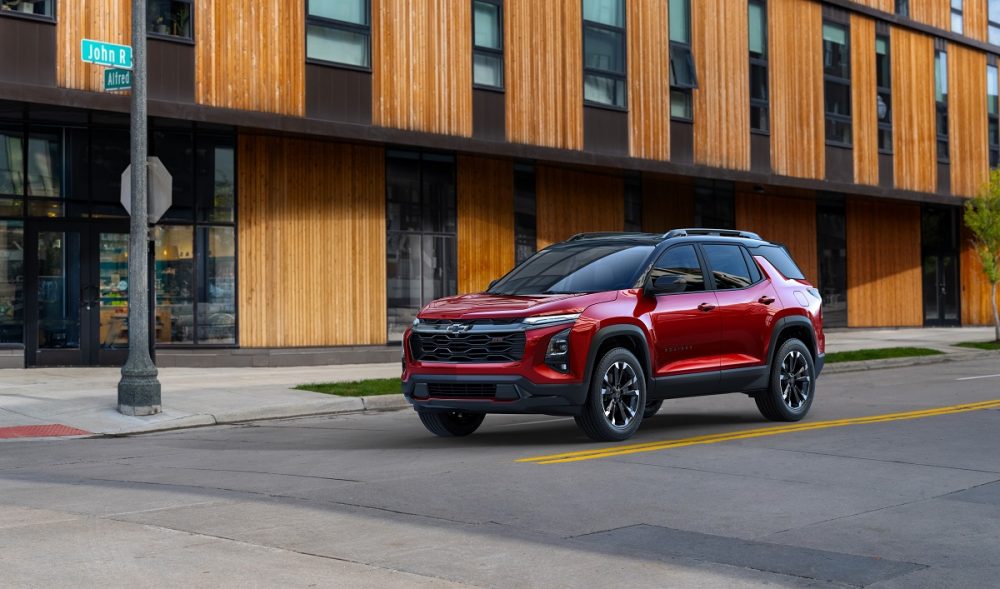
{"x": 174, "y": 281}
{"x": 217, "y": 286}
{"x": 11, "y": 282}
{"x": 44, "y": 164}
{"x": 216, "y": 180}
{"x": 11, "y": 163}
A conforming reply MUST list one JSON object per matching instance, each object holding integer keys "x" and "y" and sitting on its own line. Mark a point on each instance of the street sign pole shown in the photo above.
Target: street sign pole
{"x": 139, "y": 388}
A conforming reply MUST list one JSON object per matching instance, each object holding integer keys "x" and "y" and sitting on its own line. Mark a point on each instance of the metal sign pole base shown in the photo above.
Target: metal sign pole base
{"x": 139, "y": 392}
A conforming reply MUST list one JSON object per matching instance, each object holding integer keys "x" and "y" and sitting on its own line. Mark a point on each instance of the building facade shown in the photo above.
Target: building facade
{"x": 337, "y": 164}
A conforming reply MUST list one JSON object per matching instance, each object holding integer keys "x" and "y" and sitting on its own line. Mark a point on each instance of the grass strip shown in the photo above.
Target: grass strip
{"x": 980, "y": 345}
{"x": 878, "y": 354}
{"x": 356, "y": 388}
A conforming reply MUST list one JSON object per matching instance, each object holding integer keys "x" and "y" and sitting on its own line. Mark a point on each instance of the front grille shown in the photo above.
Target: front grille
{"x": 463, "y": 390}
{"x": 447, "y": 322}
{"x": 467, "y": 347}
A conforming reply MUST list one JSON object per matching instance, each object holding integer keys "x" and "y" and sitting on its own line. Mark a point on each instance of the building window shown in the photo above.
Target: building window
{"x": 339, "y": 31}
{"x": 837, "y": 83}
{"x": 683, "y": 78}
{"x": 421, "y": 221}
{"x": 525, "y": 212}
{"x": 11, "y": 281}
{"x": 633, "y": 204}
{"x": 759, "y": 112}
{"x": 487, "y": 36}
{"x": 903, "y": 8}
{"x": 994, "y": 22}
{"x": 714, "y": 204}
{"x": 194, "y": 270}
{"x": 956, "y": 16}
{"x": 604, "y": 52}
{"x": 883, "y": 97}
{"x": 169, "y": 18}
{"x": 993, "y": 112}
{"x": 33, "y": 8}
{"x": 941, "y": 98}
{"x": 831, "y": 245}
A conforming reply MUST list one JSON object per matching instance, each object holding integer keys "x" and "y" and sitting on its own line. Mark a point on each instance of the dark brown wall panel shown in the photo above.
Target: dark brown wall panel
{"x": 338, "y": 94}
{"x": 883, "y": 264}
{"x": 967, "y": 140}
{"x": 312, "y": 243}
{"x": 648, "y": 86}
{"x": 250, "y": 56}
{"x": 29, "y": 50}
{"x": 796, "y": 67}
{"x": 544, "y": 72}
{"x": 721, "y": 112}
{"x": 914, "y": 133}
{"x": 573, "y": 201}
{"x": 170, "y": 71}
{"x": 485, "y": 221}
{"x": 790, "y": 220}
{"x": 422, "y": 65}
{"x": 864, "y": 100}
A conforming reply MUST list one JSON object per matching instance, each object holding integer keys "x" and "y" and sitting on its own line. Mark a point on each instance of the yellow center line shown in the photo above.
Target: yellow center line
{"x": 625, "y": 449}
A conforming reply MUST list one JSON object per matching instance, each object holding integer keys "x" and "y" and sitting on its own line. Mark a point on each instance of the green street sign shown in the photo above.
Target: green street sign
{"x": 106, "y": 54}
{"x": 115, "y": 79}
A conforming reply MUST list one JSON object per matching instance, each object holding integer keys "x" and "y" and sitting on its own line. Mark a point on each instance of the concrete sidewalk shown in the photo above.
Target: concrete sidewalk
{"x": 84, "y": 398}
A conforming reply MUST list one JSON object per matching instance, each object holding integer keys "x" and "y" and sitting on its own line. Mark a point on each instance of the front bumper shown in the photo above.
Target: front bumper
{"x": 514, "y": 394}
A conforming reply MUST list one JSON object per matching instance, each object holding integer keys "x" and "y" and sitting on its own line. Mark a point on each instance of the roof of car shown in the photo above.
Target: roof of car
{"x": 693, "y": 234}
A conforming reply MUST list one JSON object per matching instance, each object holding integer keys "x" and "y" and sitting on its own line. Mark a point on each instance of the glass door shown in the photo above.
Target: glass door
{"x": 939, "y": 235}
{"x": 77, "y": 295}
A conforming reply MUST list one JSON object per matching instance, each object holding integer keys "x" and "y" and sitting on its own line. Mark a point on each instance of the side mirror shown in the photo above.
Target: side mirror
{"x": 668, "y": 284}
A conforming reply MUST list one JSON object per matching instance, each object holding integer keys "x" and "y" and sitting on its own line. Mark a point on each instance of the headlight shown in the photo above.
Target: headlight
{"x": 557, "y": 354}
{"x": 416, "y": 321}
{"x": 541, "y": 320}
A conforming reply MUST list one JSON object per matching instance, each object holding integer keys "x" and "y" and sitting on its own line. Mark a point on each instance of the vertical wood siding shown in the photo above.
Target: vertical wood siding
{"x": 914, "y": 133}
{"x": 648, "y": 82}
{"x": 976, "y": 290}
{"x": 864, "y": 100}
{"x": 250, "y": 55}
{"x": 485, "y": 221}
{"x": 790, "y": 220}
{"x": 312, "y": 243}
{"x": 721, "y": 102}
{"x": 544, "y": 71}
{"x": 883, "y": 5}
{"x": 975, "y": 19}
{"x": 798, "y": 138}
{"x": 667, "y": 203}
{"x": 936, "y": 13}
{"x": 100, "y": 20}
{"x": 967, "y": 140}
{"x": 571, "y": 202}
{"x": 422, "y": 65}
{"x": 883, "y": 264}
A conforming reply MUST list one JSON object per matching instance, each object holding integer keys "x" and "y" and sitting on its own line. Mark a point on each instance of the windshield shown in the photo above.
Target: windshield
{"x": 575, "y": 269}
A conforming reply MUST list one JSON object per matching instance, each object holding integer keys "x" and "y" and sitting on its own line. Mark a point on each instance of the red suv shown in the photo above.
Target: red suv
{"x": 605, "y": 326}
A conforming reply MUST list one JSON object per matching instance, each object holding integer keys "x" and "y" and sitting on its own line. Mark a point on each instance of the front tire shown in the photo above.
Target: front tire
{"x": 792, "y": 384}
{"x": 617, "y": 399}
{"x": 451, "y": 424}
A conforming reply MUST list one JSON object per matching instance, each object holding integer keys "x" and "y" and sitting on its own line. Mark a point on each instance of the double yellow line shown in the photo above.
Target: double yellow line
{"x": 626, "y": 449}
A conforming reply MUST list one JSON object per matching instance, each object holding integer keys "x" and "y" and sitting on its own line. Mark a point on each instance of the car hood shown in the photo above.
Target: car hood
{"x": 487, "y": 306}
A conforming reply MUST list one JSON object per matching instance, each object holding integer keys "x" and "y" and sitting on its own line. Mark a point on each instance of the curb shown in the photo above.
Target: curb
{"x": 845, "y": 367}
{"x": 332, "y": 406}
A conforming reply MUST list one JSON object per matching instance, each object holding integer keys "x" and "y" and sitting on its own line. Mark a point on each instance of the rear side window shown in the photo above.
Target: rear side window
{"x": 779, "y": 258}
{"x": 681, "y": 261}
{"x": 728, "y": 266}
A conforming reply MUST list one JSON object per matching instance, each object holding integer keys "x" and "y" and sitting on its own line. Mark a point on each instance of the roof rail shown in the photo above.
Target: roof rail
{"x": 707, "y": 231}
{"x": 597, "y": 234}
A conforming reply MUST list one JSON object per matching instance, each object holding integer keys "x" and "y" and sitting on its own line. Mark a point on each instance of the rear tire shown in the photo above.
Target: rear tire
{"x": 617, "y": 399}
{"x": 792, "y": 384}
{"x": 451, "y": 424}
{"x": 652, "y": 407}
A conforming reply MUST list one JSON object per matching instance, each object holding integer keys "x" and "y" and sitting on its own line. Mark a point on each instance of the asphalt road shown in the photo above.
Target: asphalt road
{"x": 373, "y": 500}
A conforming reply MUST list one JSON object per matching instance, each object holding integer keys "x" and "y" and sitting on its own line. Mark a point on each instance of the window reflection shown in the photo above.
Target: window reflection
{"x": 11, "y": 282}
{"x": 217, "y": 286}
{"x": 11, "y": 163}
{"x": 44, "y": 164}
{"x": 173, "y": 276}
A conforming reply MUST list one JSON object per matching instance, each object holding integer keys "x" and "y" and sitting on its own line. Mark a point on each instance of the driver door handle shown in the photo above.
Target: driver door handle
{"x": 765, "y": 300}
{"x": 706, "y": 307}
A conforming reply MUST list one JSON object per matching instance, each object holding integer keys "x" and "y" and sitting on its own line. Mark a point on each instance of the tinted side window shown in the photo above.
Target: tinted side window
{"x": 681, "y": 261}
{"x": 780, "y": 259}
{"x": 728, "y": 266}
